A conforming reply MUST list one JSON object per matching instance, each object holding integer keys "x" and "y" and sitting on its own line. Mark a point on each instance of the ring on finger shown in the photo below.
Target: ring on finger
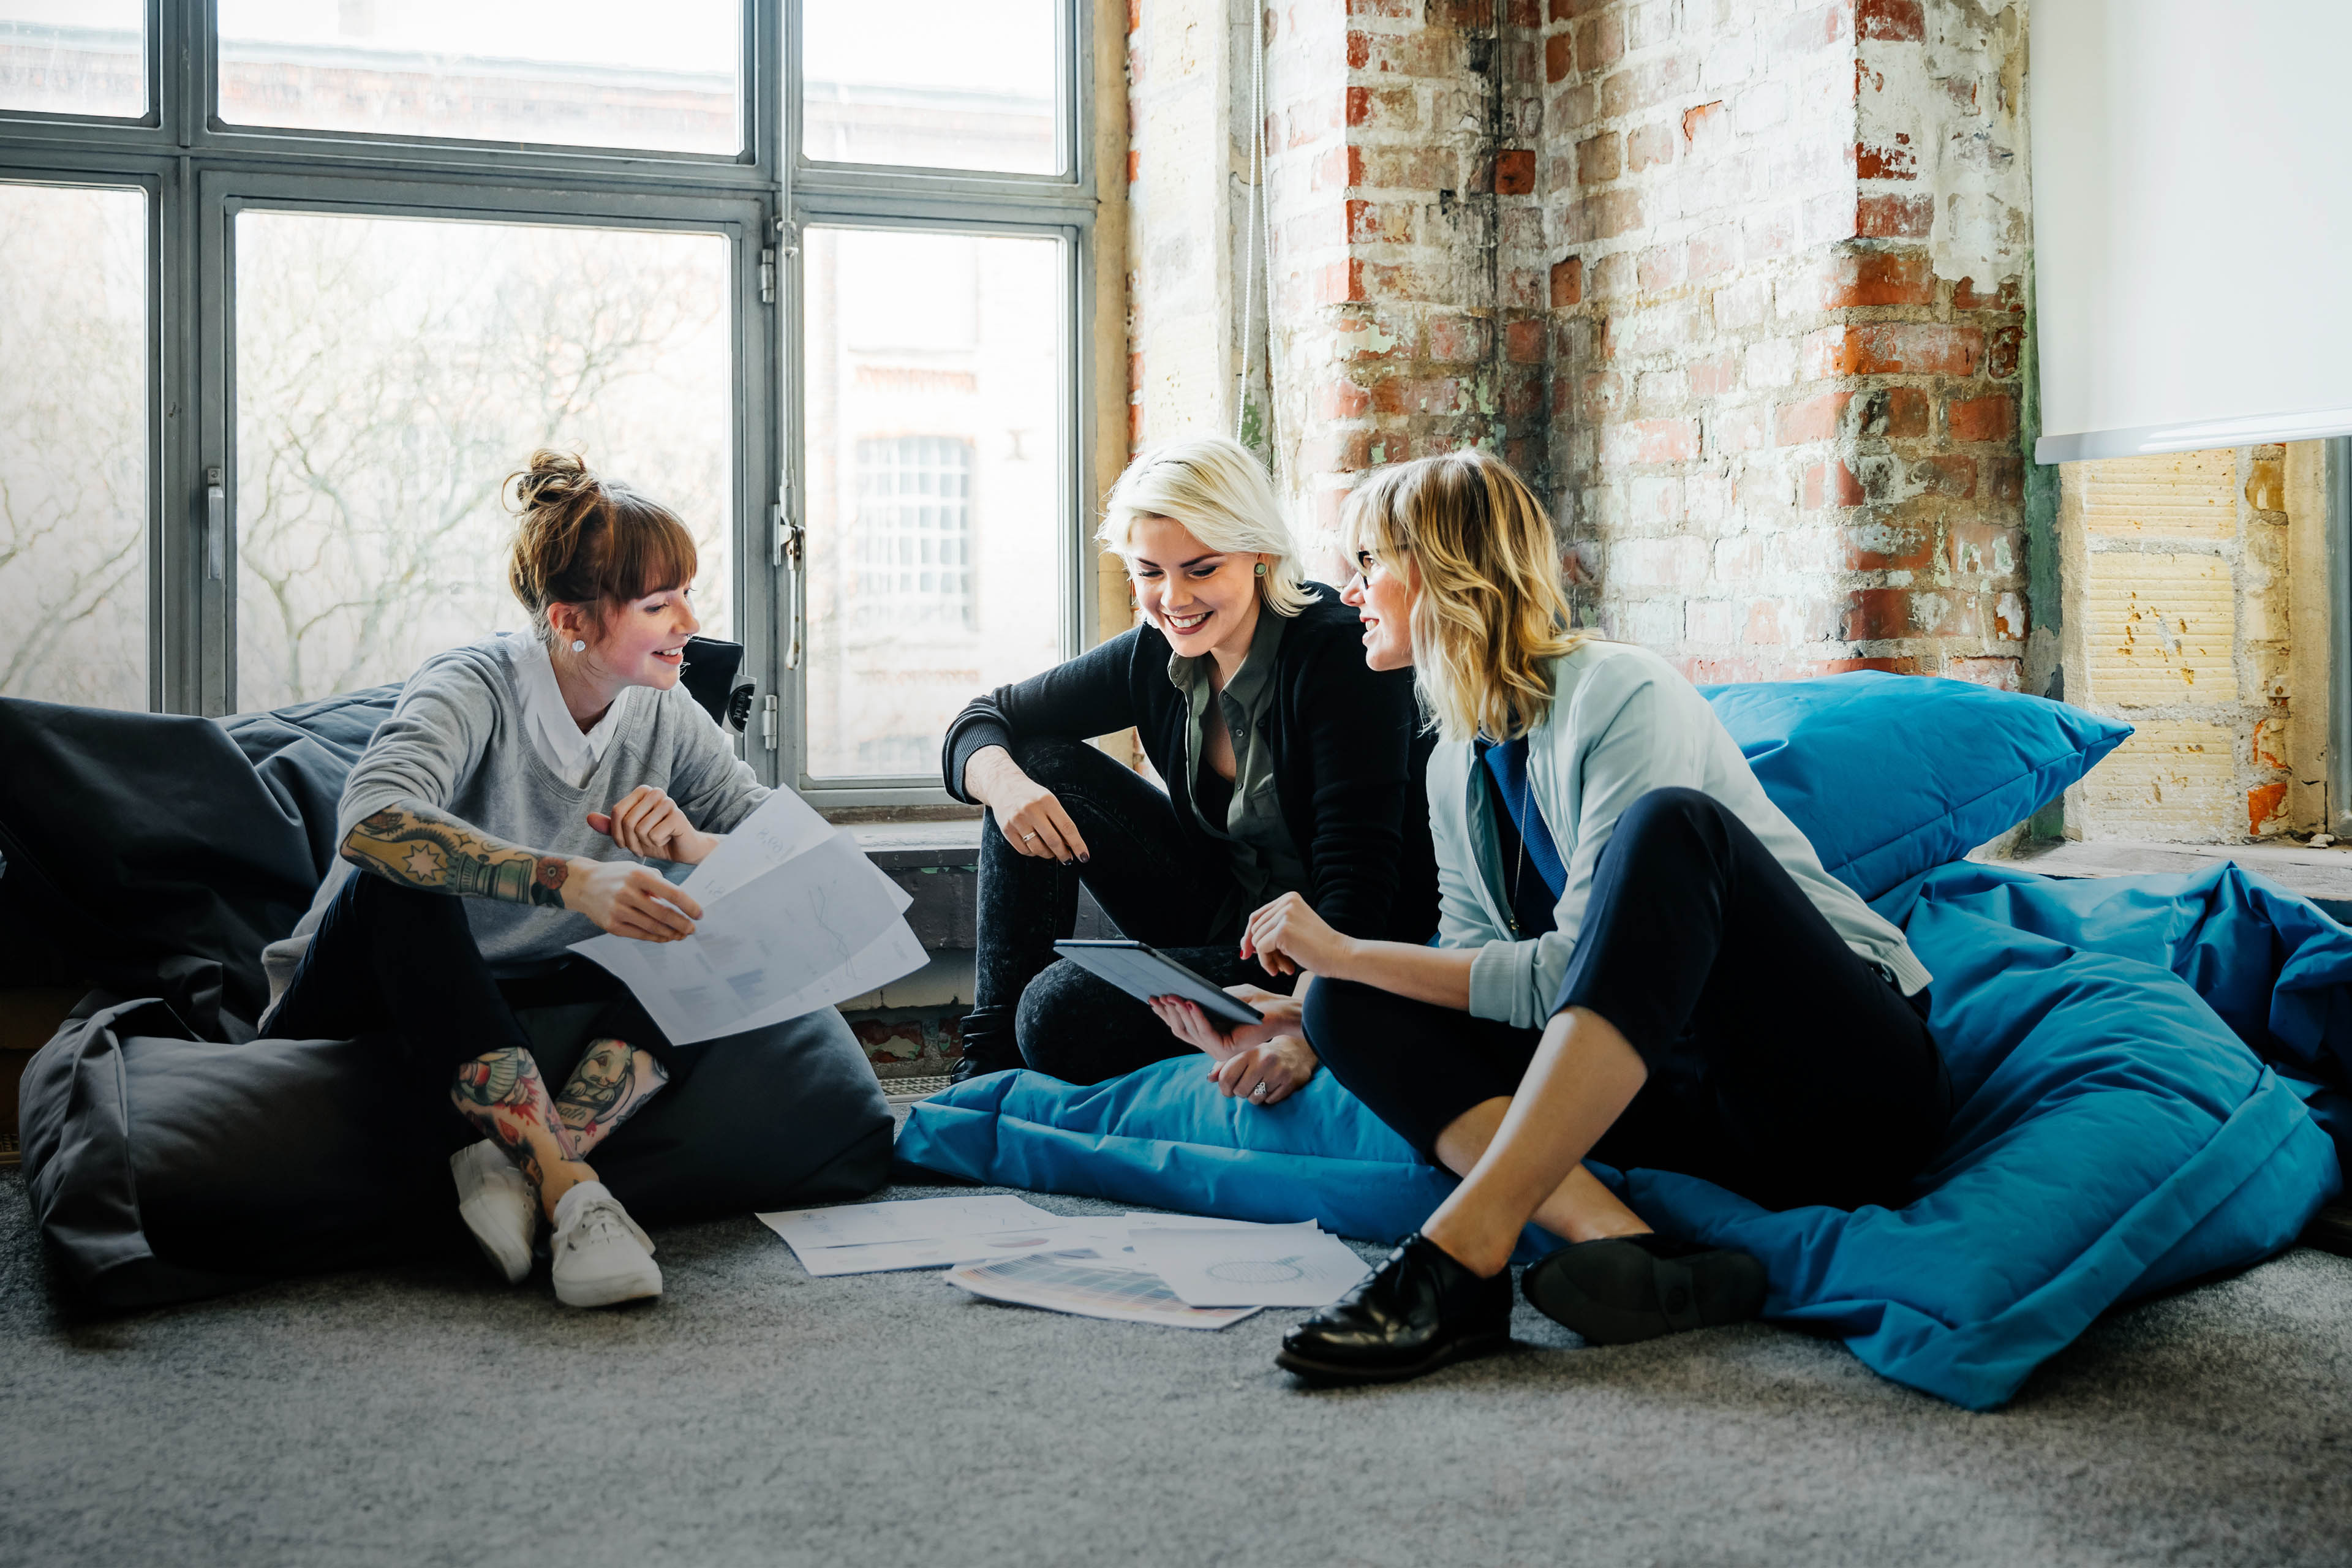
{"x": 1259, "y": 1092}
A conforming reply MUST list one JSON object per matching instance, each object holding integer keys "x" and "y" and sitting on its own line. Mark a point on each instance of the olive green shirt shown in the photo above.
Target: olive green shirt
{"x": 1266, "y": 863}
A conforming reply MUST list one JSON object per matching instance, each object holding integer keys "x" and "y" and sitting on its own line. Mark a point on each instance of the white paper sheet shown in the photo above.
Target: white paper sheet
{"x": 929, "y": 1233}
{"x": 1090, "y": 1286}
{"x": 1252, "y": 1266}
{"x": 794, "y": 918}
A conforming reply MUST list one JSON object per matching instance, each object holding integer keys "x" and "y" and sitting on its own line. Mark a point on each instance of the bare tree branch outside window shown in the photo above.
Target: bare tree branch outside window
{"x": 391, "y": 373}
{"x": 73, "y": 445}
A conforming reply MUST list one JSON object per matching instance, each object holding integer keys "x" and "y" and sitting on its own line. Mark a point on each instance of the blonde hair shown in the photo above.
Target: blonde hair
{"x": 1220, "y": 493}
{"x": 1490, "y": 615}
{"x": 589, "y": 542}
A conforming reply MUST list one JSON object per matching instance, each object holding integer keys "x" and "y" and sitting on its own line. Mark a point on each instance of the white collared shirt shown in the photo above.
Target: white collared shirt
{"x": 569, "y": 752}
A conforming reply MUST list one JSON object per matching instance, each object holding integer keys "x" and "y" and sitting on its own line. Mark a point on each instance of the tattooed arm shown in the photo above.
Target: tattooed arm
{"x": 418, "y": 846}
{"x": 414, "y": 844}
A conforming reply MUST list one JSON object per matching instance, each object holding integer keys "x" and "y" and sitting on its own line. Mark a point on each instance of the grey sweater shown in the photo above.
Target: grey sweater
{"x": 456, "y": 740}
{"x": 1621, "y": 723}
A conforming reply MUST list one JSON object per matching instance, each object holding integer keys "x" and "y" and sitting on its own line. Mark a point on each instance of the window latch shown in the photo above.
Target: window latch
{"x": 784, "y": 540}
{"x": 216, "y": 526}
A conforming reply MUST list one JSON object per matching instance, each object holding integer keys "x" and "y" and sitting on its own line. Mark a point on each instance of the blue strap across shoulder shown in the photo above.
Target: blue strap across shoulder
{"x": 1508, "y": 764}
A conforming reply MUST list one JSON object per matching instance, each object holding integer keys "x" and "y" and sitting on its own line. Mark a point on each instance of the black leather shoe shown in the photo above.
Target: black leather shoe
{"x": 1623, "y": 1289}
{"x": 1420, "y": 1312}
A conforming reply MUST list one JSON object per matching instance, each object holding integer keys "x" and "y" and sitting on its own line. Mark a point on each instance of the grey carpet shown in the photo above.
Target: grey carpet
{"x": 420, "y": 1415}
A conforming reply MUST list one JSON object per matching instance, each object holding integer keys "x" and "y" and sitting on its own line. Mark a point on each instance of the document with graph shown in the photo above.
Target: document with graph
{"x": 794, "y": 918}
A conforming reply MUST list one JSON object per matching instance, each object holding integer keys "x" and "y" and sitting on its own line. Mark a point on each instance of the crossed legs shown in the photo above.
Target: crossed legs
{"x": 502, "y": 1094}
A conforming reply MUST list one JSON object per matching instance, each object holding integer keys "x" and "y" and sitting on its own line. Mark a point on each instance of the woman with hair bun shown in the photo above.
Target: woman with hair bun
{"x": 519, "y": 798}
{"x": 1291, "y": 769}
{"x": 1640, "y": 959}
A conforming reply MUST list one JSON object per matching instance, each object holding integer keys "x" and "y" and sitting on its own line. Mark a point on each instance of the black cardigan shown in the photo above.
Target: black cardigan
{"x": 1349, "y": 756}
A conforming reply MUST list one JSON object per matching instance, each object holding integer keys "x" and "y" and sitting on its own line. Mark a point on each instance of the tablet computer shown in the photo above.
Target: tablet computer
{"x": 1144, "y": 972}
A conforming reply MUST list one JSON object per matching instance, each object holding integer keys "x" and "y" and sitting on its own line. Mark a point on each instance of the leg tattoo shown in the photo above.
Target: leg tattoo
{"x": 612, "y": 1080}
{"x": 502, "y": 1094}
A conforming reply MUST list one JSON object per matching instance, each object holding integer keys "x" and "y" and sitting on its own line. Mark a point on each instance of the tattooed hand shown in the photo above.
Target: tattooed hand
{"x": 648, "y": 822}
{"x": 630, "y": 901}
{"x": 414, "y": 844}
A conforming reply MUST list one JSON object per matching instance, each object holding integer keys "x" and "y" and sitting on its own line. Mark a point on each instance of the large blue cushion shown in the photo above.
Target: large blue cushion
{"x": 2114, "y": 1135}
{"x": 1889, "y": 775}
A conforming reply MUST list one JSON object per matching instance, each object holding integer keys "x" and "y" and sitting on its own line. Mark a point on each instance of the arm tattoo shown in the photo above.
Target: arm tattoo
{"x": 413, "y": 845}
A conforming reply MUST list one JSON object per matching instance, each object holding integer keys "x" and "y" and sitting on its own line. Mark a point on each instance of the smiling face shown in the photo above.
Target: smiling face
{"x": 1383, "y": 592}
{"x": 1203, "y": 600}
{"x": 639, "y": 643}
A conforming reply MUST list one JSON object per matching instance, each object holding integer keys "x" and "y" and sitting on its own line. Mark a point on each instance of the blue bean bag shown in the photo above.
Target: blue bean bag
{"x": 2118, "y": 1131}
{"x": 1889, "y": 775}
{"x": 2147, "y": 1070}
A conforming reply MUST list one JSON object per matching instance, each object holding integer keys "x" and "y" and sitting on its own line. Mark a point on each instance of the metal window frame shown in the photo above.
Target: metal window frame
{"x": 865, "y": 196}
{"x": 199, "y": 171}
{"x": 2336, "y": 482}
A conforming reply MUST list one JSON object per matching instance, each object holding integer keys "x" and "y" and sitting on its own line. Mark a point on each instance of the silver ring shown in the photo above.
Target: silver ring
{"x": 1258, "y": 1093}
{"x": 1026, "y": 836}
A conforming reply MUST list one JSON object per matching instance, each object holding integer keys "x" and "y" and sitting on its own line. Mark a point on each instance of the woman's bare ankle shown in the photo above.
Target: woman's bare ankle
{"x": 1466, "y": 1246}
{"x": 559, "y": 1177}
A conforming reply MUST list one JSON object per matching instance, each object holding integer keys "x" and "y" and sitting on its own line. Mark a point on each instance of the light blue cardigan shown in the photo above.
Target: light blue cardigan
{"x": 1622, "y": 723}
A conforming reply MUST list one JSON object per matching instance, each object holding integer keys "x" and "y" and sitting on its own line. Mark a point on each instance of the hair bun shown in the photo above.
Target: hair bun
{"x": 552, "y": 478}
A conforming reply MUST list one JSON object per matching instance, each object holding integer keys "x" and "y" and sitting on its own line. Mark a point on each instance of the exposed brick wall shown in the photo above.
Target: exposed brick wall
{"x": 1409, "y": 293}
{"x": 1790, "y": 321}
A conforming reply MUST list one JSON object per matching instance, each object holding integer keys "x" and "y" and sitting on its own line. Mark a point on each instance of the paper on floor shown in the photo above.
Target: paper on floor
{"x": 1250, "y": 1265}
{"x": 1088, "y": 1285}
{"x": 929, "y": 1232}
{"x": 794, "y": 918}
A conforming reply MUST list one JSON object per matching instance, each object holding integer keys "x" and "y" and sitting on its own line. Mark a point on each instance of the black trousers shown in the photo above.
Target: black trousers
{"x": 1781, "y": 1063}
{"x": 1031, "y": 1007}
{"x": 391, "y": 958}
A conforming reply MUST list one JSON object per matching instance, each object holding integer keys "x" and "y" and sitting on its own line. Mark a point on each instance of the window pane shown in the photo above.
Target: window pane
{"x": 73, "y": 446}
{"x": 594, "y": 73}
{"x": 390, "y": 373}
{"x": 935, "y": 476}
{"x": 74, "y": 56}
{"x": 940, "y": 84}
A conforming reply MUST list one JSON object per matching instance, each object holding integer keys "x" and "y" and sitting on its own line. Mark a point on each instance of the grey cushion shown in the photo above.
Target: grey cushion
{"x": 162, "y": 1167}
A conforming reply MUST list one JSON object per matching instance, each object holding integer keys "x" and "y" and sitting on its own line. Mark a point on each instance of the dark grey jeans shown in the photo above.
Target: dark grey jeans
{"x": 1033, "y": 1008}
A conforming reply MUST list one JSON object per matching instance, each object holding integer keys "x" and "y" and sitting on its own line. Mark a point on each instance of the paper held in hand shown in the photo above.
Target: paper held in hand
{"x": 794, "y": 918}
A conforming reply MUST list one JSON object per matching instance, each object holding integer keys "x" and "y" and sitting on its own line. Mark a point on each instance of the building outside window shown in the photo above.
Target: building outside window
{"x": 286, "y": 303}
{"x": 914, "y": 532}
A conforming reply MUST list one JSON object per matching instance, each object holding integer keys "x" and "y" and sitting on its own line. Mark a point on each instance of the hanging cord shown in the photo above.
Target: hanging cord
{"x": 1261, "y": 216}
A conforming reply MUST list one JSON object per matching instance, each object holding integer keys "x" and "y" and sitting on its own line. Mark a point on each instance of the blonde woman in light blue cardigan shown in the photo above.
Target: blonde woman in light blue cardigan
{"x": 1640, "y": 959}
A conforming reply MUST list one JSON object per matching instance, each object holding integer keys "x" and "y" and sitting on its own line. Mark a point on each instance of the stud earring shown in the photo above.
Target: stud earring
{"x": 1261, "y": 568}
{"x": 578, "y": 645}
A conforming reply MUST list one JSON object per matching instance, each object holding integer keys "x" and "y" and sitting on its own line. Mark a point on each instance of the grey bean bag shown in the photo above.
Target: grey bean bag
{"x": 168, "y": 1154}
{"x": 163, "y": 1167}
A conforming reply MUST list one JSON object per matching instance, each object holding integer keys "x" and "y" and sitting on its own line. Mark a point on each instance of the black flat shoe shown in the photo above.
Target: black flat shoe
{"x": 1623, "y": 1289}
{"x": 1420, "y": 1312}
{"x": 987, "y": 1045}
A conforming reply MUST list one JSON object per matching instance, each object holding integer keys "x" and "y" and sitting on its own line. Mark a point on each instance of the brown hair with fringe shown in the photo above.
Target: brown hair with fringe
{"x": 1489, "y": 616}
{"x": 589, "y": 542}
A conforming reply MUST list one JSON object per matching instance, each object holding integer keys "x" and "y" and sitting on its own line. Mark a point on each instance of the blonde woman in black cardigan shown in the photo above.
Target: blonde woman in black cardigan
{"x": 1290, "y": 768}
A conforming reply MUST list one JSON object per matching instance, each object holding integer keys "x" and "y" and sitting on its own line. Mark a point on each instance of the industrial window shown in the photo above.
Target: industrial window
{"x": 914, "y": 532}
{"x": 300, "y": 284}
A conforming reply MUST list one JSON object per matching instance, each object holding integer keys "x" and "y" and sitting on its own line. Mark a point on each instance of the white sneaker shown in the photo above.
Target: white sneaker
{"x": 601, "y": 1255}
{"x": 497, "y": 1206}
